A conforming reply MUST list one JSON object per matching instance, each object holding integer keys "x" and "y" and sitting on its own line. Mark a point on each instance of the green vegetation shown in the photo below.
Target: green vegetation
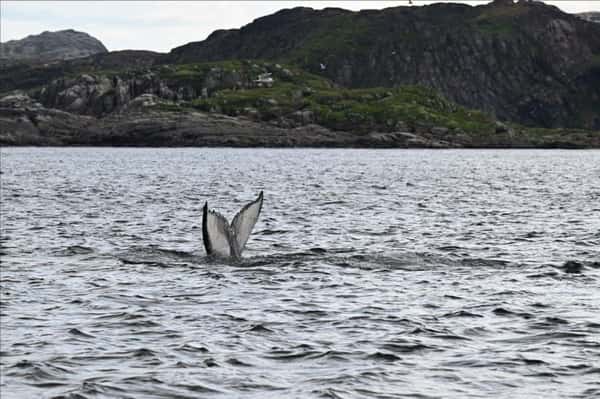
{"x": 495, "y": 27}
{"x": 294, "y": 97}
{"x": 234, "y": 92}
{"x": 344, "y": 34}
{"x": 498, "y": 20}
{"x": 297, "y": 97}
{"x": 501, "y": 19}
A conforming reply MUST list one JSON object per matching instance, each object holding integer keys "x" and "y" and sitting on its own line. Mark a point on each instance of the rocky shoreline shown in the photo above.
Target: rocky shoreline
{"x": 28, "y": 123}
{"x": 221, "y": 104}
{"x": 34, "y": 125}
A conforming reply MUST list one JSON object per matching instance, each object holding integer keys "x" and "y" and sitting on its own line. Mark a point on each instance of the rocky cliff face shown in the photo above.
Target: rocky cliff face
{"x": 51, "y": 46}
{"x": 99, "y": 95}
{"x": 525, "y": 62}
{"x": 28, "y": 75}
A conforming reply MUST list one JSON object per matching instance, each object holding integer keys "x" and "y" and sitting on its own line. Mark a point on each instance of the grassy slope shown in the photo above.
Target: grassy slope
{"x": 354, "y": 110}
{"x": 358, "y": 110}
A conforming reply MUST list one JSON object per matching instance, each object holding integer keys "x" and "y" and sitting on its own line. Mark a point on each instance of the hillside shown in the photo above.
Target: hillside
{"x": 251, "y": 103}
{"x": 501, "y": 75}
{"x": 525, "y": 62}
{"x": 51, "y": 46}
{"x": 28, "y": 75}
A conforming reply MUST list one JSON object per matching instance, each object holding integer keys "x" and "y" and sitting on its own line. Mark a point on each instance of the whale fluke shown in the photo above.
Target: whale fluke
{"x": 229, "y": 240}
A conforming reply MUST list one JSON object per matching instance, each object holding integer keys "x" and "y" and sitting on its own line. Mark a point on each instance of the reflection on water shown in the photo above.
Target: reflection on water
{"x": 371, "y": 273}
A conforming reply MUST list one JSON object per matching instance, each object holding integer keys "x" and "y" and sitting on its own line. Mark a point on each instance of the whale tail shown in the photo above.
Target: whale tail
{"x": 229, "y": 240}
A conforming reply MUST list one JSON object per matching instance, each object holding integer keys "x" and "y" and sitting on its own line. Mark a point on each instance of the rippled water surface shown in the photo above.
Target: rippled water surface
{"x": 370, "y": 274}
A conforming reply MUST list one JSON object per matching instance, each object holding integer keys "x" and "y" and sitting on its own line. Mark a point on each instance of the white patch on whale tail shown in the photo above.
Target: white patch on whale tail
{"x": 225, "y": 240}
{"x": 215, "y": 232}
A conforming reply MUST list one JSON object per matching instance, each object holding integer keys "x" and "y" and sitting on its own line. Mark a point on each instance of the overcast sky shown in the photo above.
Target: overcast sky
{"x": 162, "y": 25}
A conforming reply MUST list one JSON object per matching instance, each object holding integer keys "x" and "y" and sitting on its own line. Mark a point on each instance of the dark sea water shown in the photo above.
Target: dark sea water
{"x": 370, "y": 274}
